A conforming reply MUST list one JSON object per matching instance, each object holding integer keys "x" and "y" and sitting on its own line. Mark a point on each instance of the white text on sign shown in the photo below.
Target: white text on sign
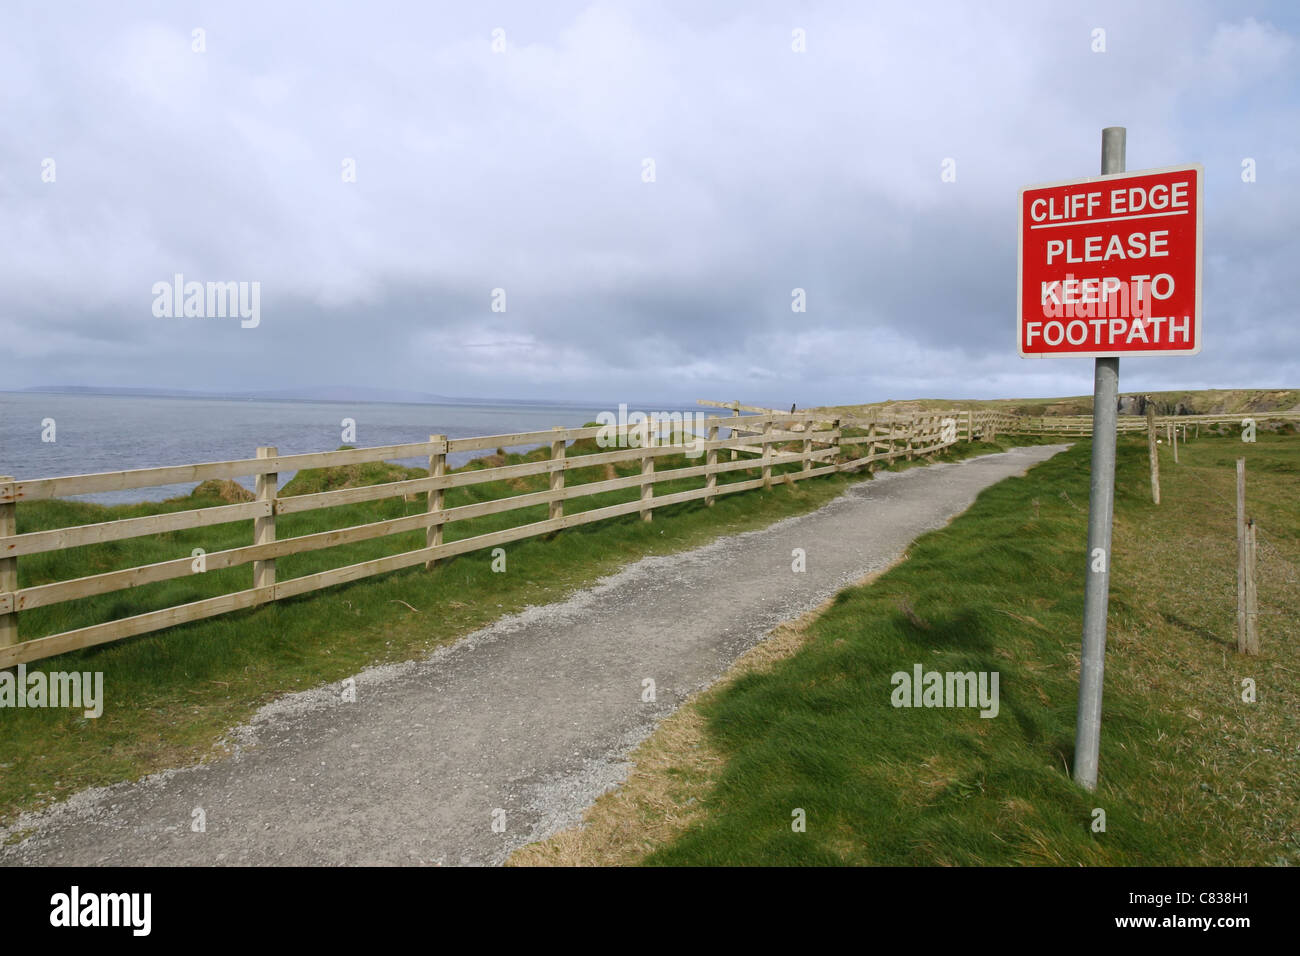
{"x": 1111, "y": 265}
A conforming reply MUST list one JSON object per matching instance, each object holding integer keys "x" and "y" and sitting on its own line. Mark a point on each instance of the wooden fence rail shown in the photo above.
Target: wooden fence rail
{"x": 758, "y": 443}
{"x": 817, "y": 453}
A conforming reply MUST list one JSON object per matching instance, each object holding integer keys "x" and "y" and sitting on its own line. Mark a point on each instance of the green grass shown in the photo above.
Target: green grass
{"x": 1200, "y": 402}
{"x": 172, "y": 694}
{"x": 1190, "y": 774}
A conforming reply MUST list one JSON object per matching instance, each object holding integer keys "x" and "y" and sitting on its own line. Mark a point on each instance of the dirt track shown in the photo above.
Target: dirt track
{"x": 532, "y": 716}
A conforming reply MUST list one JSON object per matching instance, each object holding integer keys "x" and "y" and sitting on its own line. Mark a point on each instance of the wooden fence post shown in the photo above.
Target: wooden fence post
{"x": 807, "y": 445}
{"x": 735, "y": 413}
{"x": 1174, "y": 441}
{"x": 767, "y": 453}
{"x": 647, "y": 476}
{"x": 1151, "y": 452}
{"x": 8, "y": 566}
{"x": 1241, "y": 555}
{"x": 711, "y": 466}
{"x": 264, "y": 528}
{"x": 1247, "y": 595}
{"x": 970, "y": 426}
{"x": 557, "y": 476}
{"x": 836, "y": 446}
{"x": 1252, "y": 596}
{"x": 437, "y": 468}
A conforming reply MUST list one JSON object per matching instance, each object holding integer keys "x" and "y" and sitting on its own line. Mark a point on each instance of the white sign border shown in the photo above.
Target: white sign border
{"x": 1020, "y": 262}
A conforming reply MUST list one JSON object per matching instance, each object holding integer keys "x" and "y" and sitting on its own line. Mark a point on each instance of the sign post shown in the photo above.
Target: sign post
{"x": 1108, "y": 266}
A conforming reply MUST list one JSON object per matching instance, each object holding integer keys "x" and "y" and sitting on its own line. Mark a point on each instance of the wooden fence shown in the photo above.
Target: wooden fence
{"x": 758, "y": 448}
{"x": 1082, "y": 424}
{"x": 986, "y": 423}
{"x": 818, "y": 447}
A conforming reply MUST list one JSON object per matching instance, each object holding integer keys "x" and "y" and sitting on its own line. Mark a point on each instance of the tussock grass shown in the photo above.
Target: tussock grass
{"x": 1190, "y": 773}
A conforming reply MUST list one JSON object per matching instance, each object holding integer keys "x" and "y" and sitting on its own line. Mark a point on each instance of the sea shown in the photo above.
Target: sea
{"x": 110, "y": 432}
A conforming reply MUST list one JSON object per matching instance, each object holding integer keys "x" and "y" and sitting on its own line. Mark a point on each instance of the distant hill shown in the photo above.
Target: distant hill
{"x": 320, "y": 394}
{"x": 324, "y": 393}
{"x": 1205, "y": 402}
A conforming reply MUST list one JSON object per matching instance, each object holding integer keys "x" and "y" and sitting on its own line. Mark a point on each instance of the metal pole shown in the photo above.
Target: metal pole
{"x": 1101, "y": 508}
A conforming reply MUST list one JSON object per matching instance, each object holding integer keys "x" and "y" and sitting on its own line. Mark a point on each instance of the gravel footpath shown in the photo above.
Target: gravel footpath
{"x": 508, "y": 735}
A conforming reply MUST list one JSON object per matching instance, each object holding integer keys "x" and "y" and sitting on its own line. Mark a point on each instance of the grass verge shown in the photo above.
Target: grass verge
{"x": 1191, "y": 773}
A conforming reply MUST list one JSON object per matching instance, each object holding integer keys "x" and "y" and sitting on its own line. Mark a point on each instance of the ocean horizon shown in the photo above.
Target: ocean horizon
{"x": 98, "y": 432}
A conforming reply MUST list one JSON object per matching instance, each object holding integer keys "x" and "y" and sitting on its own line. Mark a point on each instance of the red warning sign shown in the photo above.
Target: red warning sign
{"x": 1111, "y": 265}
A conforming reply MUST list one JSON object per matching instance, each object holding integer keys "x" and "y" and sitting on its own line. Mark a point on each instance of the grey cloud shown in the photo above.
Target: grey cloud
{"x": 774, "y": 170}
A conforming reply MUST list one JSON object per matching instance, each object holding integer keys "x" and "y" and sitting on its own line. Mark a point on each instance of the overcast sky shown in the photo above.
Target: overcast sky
{"x": 524, "y": 170}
